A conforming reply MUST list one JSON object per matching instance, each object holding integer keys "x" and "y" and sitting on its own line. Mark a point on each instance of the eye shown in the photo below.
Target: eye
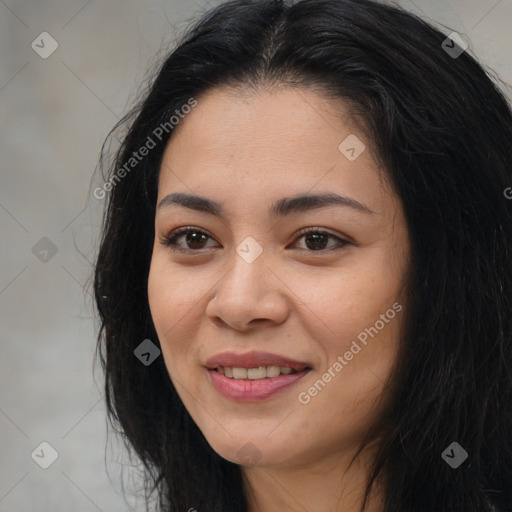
{"x": 194, "y": 239}
{"x": 315, "y": 239}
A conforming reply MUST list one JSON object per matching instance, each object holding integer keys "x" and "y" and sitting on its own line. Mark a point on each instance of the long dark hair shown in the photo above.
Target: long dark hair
{"x": 442, "y": 130}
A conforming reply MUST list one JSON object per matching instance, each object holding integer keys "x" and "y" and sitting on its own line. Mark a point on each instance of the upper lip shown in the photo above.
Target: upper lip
{"x": 253, "y": 360}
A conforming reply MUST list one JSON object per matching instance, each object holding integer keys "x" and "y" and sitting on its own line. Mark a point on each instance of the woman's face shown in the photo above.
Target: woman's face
{"x": 247, "y": 297}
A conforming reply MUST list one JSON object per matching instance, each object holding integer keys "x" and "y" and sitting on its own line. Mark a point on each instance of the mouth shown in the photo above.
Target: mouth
{"x": 254, "y": 360}
{"x": 253, "y": 376}
{"x": 256, "y": 373}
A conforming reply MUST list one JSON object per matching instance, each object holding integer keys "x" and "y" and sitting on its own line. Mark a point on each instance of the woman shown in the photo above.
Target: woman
{"x": 304, "y": 279}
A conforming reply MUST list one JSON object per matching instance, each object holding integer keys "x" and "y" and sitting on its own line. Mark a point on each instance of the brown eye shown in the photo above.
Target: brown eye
{"x": 194, "y": 239}
{"x": 316, "y": 240}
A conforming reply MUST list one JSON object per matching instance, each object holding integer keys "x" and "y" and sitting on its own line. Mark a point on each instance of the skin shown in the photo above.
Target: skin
{"x": 247, "y": 149}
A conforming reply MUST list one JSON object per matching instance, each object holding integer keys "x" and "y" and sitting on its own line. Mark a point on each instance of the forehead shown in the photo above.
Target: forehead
{"x": 291, "y": 120}
{"x": 270, "y": 142}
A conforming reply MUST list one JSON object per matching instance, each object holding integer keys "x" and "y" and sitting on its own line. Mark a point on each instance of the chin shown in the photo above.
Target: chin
{"x": 250, "y": 452}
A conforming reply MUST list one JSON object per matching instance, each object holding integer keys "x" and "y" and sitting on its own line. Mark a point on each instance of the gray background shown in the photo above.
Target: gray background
{"x": 55, "y": 113}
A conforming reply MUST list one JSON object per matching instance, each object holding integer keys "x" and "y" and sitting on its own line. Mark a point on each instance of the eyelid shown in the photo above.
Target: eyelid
{"x": 168, "y": 239}
{"x": 317, "y": 229}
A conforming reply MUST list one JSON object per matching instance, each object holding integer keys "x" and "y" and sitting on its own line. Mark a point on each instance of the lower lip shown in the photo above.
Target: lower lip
{"x": 252, "y": 390}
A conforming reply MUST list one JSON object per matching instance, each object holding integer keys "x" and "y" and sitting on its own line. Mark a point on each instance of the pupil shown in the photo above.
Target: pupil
{"x": 191, "y": 239}
{"x": 316, "y": 237}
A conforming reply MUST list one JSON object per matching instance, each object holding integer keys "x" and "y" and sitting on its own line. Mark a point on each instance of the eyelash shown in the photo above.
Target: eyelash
{"x": 170, "y": 240}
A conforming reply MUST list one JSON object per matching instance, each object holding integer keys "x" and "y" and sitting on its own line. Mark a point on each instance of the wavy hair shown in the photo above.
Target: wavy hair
{"x": 441, "y": 128}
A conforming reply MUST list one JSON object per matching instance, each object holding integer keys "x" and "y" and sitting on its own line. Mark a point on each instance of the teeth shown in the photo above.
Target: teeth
{"x": 256, "y": 373}
{"x": 260, "y": 372}
{"x": 239, "y": 373}
{"x": 273, "y": 371}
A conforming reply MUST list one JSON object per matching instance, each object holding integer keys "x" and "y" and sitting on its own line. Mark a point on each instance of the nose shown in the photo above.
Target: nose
{"x": 249, "y": 295}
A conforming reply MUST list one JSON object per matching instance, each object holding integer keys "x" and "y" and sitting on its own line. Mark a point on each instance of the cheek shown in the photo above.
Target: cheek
{"x": 161, "y": 298}
{"x": 356, "y": 321}
{"x": 359, "y": 358}
{"x": 346, "y": 303}
{"x": 174, "y": 301}
{"x": 173, "y": 294}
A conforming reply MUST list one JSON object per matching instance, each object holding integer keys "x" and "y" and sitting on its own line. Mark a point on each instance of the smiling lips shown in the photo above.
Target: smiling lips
{"x": 253, "y": 376}
{"x": 260, "y": 372}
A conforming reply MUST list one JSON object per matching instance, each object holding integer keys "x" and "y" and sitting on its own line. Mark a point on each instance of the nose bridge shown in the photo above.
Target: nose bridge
{"x": 248, "y": 290}
{"x": 248, "y": 269}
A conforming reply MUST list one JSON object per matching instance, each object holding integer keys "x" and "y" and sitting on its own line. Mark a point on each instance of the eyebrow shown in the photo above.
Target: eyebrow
{"x": 280, "y": 208}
